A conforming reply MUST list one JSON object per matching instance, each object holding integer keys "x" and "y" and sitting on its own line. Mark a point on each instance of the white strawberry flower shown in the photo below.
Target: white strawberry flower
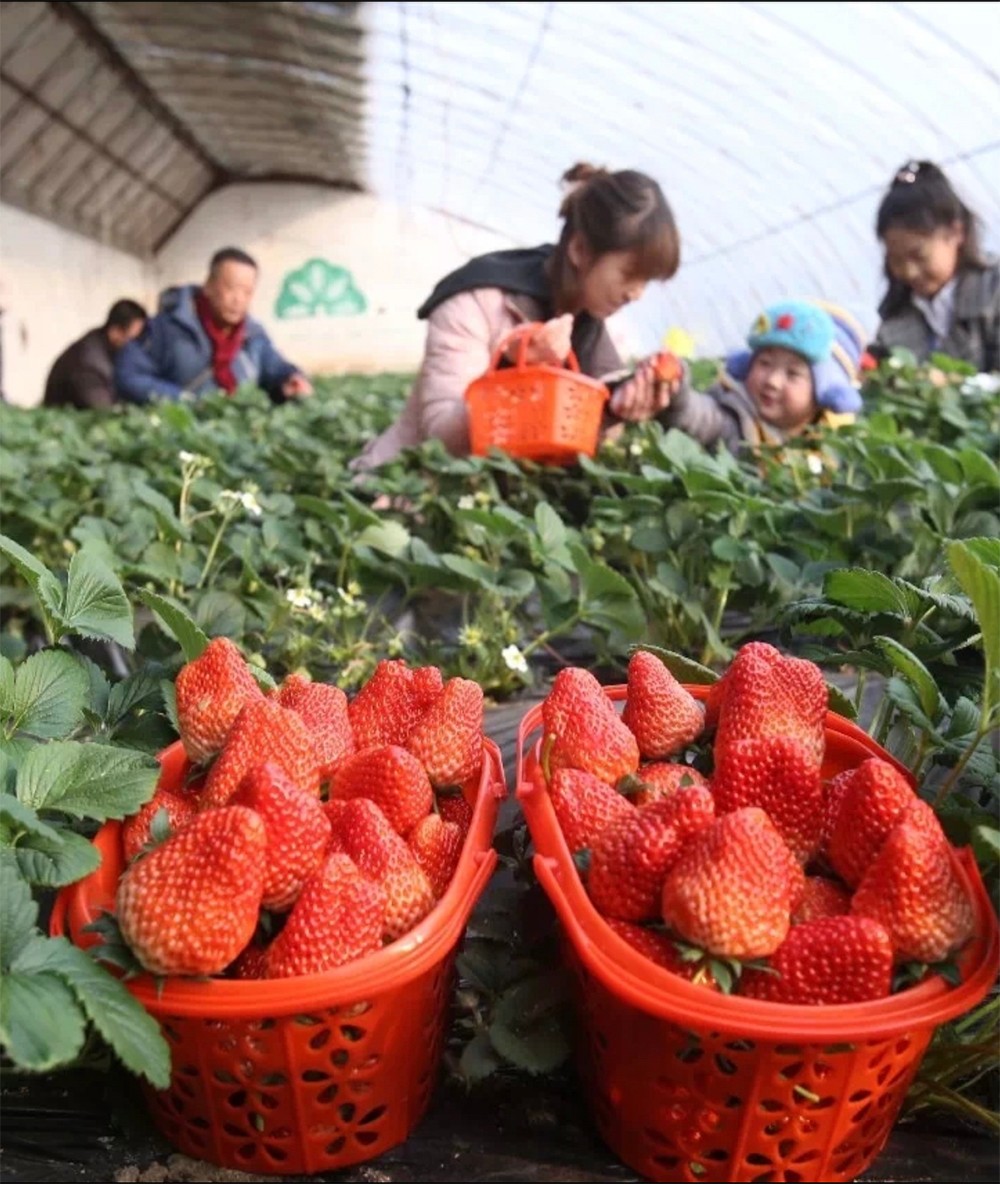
{"x": 514, "y": 659}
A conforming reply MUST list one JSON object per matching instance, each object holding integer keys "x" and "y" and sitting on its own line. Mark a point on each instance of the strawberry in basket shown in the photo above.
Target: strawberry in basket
{"x": 785, "y": 884}
{"x": 359, "y": 811}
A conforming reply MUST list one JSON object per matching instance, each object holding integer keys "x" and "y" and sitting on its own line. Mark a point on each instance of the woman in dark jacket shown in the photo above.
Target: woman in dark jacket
{"x": 944, "y": 293}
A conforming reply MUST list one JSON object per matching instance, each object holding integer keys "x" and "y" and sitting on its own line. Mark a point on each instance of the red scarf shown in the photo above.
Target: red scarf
{"x": 226, "y": 343}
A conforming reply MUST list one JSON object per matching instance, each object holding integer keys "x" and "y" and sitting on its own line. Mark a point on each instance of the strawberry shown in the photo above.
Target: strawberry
{"x": 767, "y": 695}
{"x": 667, "y": 367}
{"x": 386, "y": 708}
{"x": 338, "y": 917}
{"x": 781, "y": 776}
{"x": 455, "y": 807}
{"x": 872, "y": 796}
{"x": 658, "y": 780}
{"x": 630, "y": 859}
{"x": 583, "y": 730}
{"x": 263, "y": 731}
{"x": 661, "y": 714}
{"x": 363, "y": 832}
{"x": 732, "y": 890}
{"x": 211, "y": 691}
{"x": 252, "y": 963}
{"x": 393, "y": 778}
{"x": 437, "y": 844}
{"x": 830, "y": 960}
{"x": 912, "y": 888}
{"x": 761, "y": 653}
{"x": 136, "y": 832}
{"x": 660, "y": 947}
{"x": 298, "y": 831}
{"x": 585, "y": 806}
{"x": 191, "y": 904}
{"x": 323, "y": 709}
{"x": 448, "y": 737}
{"x": 822, "y": 898}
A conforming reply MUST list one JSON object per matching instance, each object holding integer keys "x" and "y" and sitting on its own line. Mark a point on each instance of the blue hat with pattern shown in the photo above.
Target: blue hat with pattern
{"x": 825, "y": 335}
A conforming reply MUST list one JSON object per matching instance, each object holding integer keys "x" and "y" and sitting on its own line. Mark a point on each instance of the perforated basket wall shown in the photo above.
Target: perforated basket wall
{"x": 687, "y": 1084}
{"x": 307, "y": 1074}
{"x": 538, "y": 412}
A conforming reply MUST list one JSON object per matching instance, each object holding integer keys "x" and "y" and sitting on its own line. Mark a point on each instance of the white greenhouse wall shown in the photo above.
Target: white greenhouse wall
{"x": 54, "y": 286}
{"x": 356, "y": 310}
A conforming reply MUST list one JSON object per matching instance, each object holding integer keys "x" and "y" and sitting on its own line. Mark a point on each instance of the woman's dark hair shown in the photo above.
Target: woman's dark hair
{"x": 622, "y": 211}
{"x": 921, "y": 198}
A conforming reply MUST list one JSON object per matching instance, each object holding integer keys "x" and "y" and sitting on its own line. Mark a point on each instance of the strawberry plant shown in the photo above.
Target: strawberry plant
{"x": 63, "y": 769}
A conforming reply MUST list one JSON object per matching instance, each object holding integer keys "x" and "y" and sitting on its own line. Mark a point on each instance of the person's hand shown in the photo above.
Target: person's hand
{"x": 297, "y": 387}
{"x": 547, "y": 346}
{"x": 650, "y": 389}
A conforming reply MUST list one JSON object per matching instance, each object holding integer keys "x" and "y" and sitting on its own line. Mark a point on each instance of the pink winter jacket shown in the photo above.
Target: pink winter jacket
{"x": 462, "y": 333}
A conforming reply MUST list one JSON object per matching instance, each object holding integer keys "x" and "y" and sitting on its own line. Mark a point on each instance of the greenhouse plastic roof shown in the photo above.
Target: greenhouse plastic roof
{"x": 773, "y": 127}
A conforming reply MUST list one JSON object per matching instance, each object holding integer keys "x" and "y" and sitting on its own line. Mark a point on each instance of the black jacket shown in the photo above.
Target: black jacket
{"x": 83, "y": 374}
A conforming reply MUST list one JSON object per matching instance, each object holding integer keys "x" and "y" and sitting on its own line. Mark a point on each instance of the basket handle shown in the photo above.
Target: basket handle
{"x": 524, "y": 333}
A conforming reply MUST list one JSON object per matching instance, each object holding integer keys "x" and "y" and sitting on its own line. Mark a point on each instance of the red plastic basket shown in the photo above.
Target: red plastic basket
{"x": 688, "y": 1084}
{"x": 544, "y": 413}
{"x": 307, "y": 1074}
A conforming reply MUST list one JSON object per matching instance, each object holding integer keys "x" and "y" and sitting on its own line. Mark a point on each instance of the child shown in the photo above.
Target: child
{"x": 944, "y": 293}
{"x": 801, "y": 369}
{"x": 618, "y": 234}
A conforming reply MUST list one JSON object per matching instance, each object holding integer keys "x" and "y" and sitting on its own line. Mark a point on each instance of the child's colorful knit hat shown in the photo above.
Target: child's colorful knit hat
{"x": 827, "y": 336}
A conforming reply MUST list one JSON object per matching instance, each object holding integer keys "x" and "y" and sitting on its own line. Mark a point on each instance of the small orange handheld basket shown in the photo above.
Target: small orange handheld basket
{"x": 688, "y": 1084}
{"x": 548, "y": 414}
{"x": 309, "y": 1074}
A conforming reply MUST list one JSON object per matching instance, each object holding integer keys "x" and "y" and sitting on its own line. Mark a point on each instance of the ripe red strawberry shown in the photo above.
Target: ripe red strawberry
{"x": 298, "y": 831}
{"x": 913, "y": 889}
{"x": 630, "y": 859}
{"x": 251, "y": 963}
{"x": 363, "y": 832}
{"x": 386, "y": 708}
{"x": 191, "y": 904}
{"x": 660, "y": 947}
{"x": 586, "y": 732}
{"x": 659, "y": 780}
{"x": 767, "y": 695}
{"x": 136, "y": 832}
{"x": 829, "y": 960}
{"x": 732, "y": 890}
{"x": 338, "y": 917}
{"x": 448, "y": 737}
{"x": 323, "y": 709}
{"x": 393, "y": 778}
{"x": 872, "y": 797}
{"x": 760, "y": 652}
{"x": 822, "y": 898}
{"x": 781, "y": 776}
{"x": 437, "y": 844}
{"x": 585, "y": 806}
{"x": 667, "y": 367}
{"x": 455, "y": 807}
{"x": 662, "y": 715}
{"x": 211, "y": 691}
{"x": 263, "y": 731}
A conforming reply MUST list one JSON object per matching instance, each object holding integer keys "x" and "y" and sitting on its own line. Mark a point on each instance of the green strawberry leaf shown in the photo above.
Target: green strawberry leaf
{"x": 54, "y": 862}
{"x": 124, "y": 1023}
{"x": 95, "y": 604}
{"x": 41, "y": 1024}
{"x": 479, "y": 1059}
{"x": 178, "y": 622}
{"x": 51, "y": 691}
{"x": 18, "y": 913}
{"x": 19, "y": 820}
{"x": 42, "y": 582}
{"x": 87, "y": 780}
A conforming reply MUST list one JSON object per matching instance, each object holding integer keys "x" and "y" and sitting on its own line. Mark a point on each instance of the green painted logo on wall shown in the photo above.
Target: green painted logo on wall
{"x": 319, "y": 289}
